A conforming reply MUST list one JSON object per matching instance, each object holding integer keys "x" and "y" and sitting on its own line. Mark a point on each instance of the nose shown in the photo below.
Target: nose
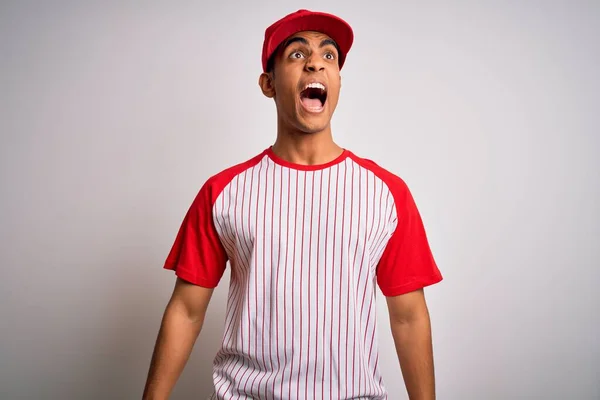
{"x": 314, "y": 63}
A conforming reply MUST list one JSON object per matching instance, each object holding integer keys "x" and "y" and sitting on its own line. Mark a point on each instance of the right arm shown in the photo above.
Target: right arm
{"x": 181, "y": 324}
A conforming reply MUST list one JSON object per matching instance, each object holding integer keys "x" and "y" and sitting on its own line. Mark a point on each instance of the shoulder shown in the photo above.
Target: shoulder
{"x": 394, "y": 183}
{"x": 217, "y": 182}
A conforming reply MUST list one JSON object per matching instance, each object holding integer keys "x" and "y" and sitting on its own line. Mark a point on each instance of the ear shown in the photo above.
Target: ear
{"x": 265, "y": 81}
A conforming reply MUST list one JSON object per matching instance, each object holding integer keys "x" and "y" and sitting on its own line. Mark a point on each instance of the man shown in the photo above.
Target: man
{"x": 310, "y": 229}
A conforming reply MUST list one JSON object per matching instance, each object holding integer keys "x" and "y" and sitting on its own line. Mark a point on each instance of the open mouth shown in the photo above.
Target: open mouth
{"x": 313, "y": 97}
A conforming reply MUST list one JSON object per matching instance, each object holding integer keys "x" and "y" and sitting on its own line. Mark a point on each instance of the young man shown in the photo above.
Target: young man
{"x": 310, "y": 229}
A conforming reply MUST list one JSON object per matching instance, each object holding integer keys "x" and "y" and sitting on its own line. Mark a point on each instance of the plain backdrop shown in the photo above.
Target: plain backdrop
{"x": 114, "y": 113}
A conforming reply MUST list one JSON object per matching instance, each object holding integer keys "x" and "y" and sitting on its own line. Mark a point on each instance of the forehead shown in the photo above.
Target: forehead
{"x": 310, "y": 36}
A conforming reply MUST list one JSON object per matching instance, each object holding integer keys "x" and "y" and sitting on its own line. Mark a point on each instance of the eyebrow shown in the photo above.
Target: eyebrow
{"x": 328, "y": 42}
{"x": 298, "y": 39}
{"x": 294, "y": 40}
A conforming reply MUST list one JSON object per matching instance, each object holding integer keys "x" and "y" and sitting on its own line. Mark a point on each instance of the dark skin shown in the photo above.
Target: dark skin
{"x": 308, "y": 56}
{"x": 302, "y": 136}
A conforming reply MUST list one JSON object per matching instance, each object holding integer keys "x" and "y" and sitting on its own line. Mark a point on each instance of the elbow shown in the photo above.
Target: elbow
{"x": 410, "y": 317}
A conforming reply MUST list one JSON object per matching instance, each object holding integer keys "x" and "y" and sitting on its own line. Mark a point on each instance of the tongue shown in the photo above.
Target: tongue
{"x": 311, "y": 103}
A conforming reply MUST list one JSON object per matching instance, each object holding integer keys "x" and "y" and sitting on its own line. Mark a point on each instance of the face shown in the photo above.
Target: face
{"x": 305, "y": 82}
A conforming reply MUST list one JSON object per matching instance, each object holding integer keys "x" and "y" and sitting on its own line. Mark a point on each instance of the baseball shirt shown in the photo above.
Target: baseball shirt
{"x": 307, "y": 247}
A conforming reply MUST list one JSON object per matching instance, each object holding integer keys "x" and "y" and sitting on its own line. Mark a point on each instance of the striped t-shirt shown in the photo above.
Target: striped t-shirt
{"x": 307, "y": 246}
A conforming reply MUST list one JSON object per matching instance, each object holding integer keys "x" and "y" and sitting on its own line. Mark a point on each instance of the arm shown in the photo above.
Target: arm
{"x": 181, "y": 324}
{"x": 411, "y": 329}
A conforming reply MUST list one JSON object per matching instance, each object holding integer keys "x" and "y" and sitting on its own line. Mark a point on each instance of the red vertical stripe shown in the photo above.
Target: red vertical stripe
{"x": 362, "y": 366}
{"x": 301, "y": 289}
{"x": 272, "y": 304}
{"x": 337, "y": 175}
{"x": 342, "y": 245}
{"x": 293, "y": 336}
{"x": 285, "y": 286}
{"x": 349, "y": 272}
{"x": 310, "y": 244}
{"x": 318, "y": 267}
{"x": 324, "y": 326}
{"x": 356, "y": 315}
{"x": 277, "y": 280}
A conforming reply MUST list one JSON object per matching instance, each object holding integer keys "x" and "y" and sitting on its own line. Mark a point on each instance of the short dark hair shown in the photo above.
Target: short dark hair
{"x": 271, "y": 60}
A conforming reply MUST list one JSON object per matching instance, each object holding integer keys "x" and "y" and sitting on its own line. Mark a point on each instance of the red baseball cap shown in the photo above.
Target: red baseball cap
{"x": 305, "y": 20}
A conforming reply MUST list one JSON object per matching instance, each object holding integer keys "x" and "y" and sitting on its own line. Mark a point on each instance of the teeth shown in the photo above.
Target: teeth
{"x": 316, "y": 85}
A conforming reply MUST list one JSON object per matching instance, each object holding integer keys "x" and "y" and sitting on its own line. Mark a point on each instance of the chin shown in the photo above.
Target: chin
{"x": 312, "y": 123}
{"x": 311, "y": 132}
{"x": 313, "y": 128}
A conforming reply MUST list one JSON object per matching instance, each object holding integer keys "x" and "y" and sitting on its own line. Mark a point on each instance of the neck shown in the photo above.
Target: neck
{"x": 306, "y": 148}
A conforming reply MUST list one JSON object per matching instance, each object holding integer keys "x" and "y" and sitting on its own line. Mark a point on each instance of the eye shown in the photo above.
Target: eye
{"x": 329, "y": 56}
{"x": 297, "y": 54}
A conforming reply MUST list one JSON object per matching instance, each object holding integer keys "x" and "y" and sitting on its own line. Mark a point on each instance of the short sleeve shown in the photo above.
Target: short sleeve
{"x": 407, "y": 263}
{"x": 197, "y": 255}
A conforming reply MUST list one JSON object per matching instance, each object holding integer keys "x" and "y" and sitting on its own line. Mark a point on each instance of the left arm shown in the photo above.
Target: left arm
{"x": 411, "y": 329}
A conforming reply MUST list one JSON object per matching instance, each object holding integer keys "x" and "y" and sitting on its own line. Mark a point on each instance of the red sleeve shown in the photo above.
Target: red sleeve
{"x": 407, "y": 263}
{"x": 197, "y": 255}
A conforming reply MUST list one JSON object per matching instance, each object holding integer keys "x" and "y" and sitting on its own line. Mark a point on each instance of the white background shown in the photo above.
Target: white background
{"x": 113, "y": 113}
